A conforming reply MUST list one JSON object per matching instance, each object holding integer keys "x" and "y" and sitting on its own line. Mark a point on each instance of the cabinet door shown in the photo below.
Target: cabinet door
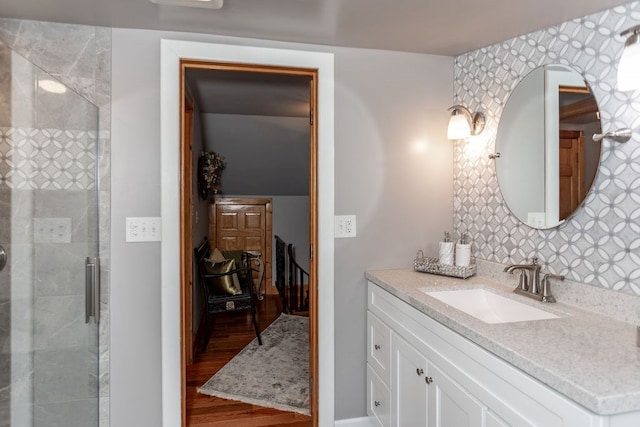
{"x": 495, "y": 421}
{"x": 409, "y": 388}
{"x": 378, "y": 400}
{"x": 450, "y": 405}
{"x": 379, "y": 345}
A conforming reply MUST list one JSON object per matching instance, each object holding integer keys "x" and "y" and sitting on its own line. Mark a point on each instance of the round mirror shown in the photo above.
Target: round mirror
{"x": 548, "y": 159}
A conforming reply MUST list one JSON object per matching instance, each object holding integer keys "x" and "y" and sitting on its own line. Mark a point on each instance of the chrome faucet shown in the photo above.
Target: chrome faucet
{"x": 529, "y": 284}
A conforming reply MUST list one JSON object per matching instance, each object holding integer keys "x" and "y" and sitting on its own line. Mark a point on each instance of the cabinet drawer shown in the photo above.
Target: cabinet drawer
{"x": 378, "y": 400}
{"x": 379, "y": 345}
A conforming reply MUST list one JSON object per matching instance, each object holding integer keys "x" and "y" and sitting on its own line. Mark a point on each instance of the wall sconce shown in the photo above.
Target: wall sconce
{"x": 463, "y": 123}
{"x": 629, "y": 65}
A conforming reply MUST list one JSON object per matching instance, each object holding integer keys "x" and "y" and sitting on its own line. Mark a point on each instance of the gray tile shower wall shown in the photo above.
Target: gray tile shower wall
{"x": 600, "y": 244}
{"x": 80, "y": 57}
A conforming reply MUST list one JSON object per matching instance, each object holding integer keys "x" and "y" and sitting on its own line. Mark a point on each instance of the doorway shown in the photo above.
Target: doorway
{"x": 255, "y": 170}
{"x": 172, "y": 52}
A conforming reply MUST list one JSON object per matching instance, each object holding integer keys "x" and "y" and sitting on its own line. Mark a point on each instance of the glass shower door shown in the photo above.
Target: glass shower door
{"x": 49, "y": 239}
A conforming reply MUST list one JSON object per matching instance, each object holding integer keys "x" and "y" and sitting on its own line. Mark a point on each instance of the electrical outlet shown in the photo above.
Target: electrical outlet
{"x": 536, "y": 219}
{"x": 143, "y": 229}
{"x": 345, "y": 226}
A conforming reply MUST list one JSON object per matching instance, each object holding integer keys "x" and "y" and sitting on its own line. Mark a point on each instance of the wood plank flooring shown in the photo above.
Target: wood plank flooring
{"x": 231, "y": 333}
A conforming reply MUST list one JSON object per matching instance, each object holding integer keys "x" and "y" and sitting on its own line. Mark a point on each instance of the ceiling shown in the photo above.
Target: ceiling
{"x": 249, "y": 93}
{"x": 438, "y": 27}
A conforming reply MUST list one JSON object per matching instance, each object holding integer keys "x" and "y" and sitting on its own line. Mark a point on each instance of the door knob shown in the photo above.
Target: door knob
{"x": 3, "y": 258}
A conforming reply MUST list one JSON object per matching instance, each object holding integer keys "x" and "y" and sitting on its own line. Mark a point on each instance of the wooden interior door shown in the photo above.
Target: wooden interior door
{"x": 572, "y": 186}
{"x": 243, "y": 224}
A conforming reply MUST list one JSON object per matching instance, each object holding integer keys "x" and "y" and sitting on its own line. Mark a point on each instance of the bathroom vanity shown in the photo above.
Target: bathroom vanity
{"x": 429, "y": 364}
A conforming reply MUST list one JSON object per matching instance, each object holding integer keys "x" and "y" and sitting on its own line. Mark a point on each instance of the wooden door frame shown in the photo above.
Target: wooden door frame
{"x": 185, "y": 236}
{"x": 186, "y": 199}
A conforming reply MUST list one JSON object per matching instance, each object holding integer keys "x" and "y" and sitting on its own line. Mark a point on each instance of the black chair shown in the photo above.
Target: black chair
{"x": 216, "y": 302}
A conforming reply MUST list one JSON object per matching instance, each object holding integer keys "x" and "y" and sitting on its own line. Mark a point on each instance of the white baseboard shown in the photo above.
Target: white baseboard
{"x": 354, "y": 422}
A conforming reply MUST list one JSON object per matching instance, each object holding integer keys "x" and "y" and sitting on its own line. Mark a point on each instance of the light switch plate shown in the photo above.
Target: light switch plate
{"x": 52, "y": 230}
{"x": 143, "y": 229}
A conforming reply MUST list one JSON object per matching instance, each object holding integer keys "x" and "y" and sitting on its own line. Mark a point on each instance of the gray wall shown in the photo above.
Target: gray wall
{"x": 393, "y": 169}
{"x": 291, "y": 223}
{"x": 264, "y": 154}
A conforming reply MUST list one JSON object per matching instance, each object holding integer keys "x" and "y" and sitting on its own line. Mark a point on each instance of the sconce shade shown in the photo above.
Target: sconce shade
{"x": 458, "y": 126}
{"x": 463, "y": 123}
{"x": 629, "y": 65}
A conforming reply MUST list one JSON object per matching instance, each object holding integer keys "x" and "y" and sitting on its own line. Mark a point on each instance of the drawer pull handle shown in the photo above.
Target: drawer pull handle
{"x": 428, "y": 380}
{"x": 377, "y": 346}
{"x": 419, "y": 371}
{"x": 377, "y": 403}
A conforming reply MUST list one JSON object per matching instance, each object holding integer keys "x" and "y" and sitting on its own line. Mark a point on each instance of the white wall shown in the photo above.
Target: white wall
{"x": 393, "y": 169}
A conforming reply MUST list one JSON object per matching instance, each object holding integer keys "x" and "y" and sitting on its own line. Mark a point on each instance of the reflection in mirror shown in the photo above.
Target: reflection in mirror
{"x": 548, "y": 160}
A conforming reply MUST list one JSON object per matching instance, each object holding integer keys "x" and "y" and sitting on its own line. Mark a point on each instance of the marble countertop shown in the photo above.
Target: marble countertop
{"x": 590, "y": 358}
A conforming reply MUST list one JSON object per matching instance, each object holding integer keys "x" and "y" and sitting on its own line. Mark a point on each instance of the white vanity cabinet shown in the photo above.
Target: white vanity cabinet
{"x": 450, "y": 404}
{"x": 424, "y": 395}
{"x": 378, "y": 371}
{"x": 409, "y": 404}
{"x": 439, "y": 378}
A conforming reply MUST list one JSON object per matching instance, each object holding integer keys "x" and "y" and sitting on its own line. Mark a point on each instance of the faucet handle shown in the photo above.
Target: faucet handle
{"x": 523, "y": 282}
{"x": 546, "y": 287}
{"x": 534, "y": 260}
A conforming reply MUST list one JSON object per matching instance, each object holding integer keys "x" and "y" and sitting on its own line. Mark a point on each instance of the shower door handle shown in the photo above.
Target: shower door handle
{"x": 3, "y": 258}
{"x": 92, "y": 289}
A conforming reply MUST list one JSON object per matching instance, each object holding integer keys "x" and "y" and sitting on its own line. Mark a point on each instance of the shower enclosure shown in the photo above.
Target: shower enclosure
{"x": 49, "y": 297}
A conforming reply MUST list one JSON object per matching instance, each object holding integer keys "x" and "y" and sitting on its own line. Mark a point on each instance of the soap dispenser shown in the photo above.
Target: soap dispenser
{"x": 463, "y": 252}
{"x": 446, "y": 250}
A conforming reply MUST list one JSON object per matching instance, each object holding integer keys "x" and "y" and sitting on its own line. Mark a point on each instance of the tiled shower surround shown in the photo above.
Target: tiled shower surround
{"x": 600, "y": 244}
{"x": 47, "y": 159}
{"x": 48, "y": 156}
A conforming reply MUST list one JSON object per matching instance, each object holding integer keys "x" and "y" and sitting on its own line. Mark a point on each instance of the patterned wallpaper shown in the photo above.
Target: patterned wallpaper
{"x": 600, "y": 244}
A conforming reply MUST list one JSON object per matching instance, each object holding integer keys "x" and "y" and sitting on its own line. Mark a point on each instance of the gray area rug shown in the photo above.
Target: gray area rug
{"x": 273, "y": 375}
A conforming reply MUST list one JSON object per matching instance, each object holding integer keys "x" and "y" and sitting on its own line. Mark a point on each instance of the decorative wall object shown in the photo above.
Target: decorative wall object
{"x": 210, "y": 166}
{"x": 600, "y": 245}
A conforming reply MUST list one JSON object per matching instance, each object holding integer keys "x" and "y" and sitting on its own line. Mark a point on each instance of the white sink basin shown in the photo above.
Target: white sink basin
{"x": 489, "y": 307}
